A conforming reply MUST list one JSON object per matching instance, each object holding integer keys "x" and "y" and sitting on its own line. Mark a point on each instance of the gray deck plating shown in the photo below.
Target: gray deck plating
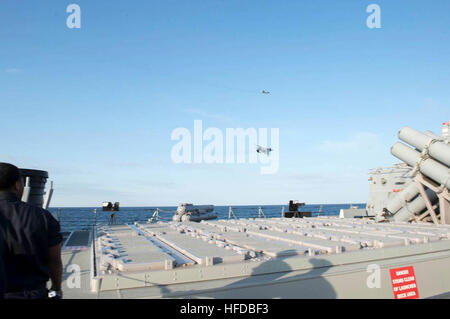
{"x": 168, "y": 245}
{"x": 194, "y": 245}
{"x": 168, "y": 254}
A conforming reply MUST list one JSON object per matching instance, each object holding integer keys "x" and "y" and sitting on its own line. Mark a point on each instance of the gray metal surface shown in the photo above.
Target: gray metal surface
{"x": 426, "y": 197}
{"x": 421, "y": 194}
{"x": 34, "y": 190}
{"x": 237, "y": 258}
{"x": 384, "y": 186}
{"x": 322, "y": 257}
{"x": 406, "y": 195}
{"x": 437, "y": 149}
{"x": 428, "y": 166}
{"x": 416, "y": 206}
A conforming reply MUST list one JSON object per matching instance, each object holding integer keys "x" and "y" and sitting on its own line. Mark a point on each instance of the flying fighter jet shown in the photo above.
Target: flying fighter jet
{"x": 263, "y": 150}
{"x": 265, "y": 92}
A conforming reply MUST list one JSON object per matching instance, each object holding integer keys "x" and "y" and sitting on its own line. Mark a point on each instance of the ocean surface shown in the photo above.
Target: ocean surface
{"x": 72, "y": 219}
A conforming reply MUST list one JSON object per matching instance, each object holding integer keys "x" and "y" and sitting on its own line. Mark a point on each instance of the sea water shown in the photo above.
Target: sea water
{"x": 79, "y": 218}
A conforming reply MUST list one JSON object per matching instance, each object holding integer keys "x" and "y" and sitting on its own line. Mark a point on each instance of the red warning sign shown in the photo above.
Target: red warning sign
{"x": 404, "y": 283}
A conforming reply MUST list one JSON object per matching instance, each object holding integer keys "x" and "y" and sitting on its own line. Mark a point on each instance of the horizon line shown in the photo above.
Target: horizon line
{"x": 227, "y": 205}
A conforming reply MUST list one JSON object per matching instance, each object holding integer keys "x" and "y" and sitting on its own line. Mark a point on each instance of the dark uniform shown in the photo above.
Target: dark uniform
{"x": 2, "y": 269}
{"x": 28, "y": 232}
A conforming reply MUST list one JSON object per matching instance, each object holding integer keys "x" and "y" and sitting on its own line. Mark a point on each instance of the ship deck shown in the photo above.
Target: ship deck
{"x": 327, "y": 256}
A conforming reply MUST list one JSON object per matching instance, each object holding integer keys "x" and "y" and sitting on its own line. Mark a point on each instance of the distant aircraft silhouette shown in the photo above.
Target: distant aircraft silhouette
{"x": 265, "y": 92}
{"x": 263, "y": 150}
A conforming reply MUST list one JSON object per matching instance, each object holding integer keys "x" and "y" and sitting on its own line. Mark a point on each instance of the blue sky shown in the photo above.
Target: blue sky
{"x": 96, "y": 106}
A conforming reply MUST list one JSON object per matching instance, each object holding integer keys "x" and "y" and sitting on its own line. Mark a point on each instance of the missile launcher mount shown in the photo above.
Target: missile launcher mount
{"x": 416, "y": 190}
